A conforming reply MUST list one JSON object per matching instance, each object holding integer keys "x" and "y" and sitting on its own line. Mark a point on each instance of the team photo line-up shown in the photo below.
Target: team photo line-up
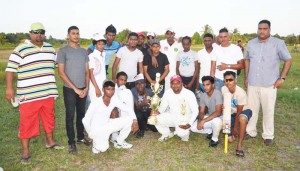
{"x": 154, "y": 86}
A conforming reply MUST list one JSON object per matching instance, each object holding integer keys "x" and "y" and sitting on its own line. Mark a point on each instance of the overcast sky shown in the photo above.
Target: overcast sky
{"x": 185, "y": 16}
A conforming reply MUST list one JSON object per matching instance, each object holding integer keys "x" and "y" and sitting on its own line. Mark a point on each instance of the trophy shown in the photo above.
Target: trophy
{"x": 154, "y": 100}
{"x": 183, "y": 112}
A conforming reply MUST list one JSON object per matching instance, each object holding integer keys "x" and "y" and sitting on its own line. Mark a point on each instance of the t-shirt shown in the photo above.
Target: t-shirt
{"x": 74, "y": 60}
{"x": 35, "y": 68}
{"x": 205, "y": 62}
{"x": 239, "y": 97}
{"x": 138, "y": 98}
{"x": 97, "y": 62}
{"x": 162, "y": 61}
{"x": 228, "y": 55}
{"x": 210, "y": 102}
{"x": 109, "y": 50}
{"x": 187, "y": 62}
{"x": 129, "y": 61}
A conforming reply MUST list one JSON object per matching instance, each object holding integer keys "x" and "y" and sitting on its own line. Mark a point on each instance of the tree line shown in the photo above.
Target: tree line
{"x": 11, "y": 40}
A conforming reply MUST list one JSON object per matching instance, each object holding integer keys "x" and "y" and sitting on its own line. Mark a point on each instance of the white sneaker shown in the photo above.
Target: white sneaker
{"x": 164, "y": 138}
{"x": 124, "y": 145}
{"x": 113, "y": 141}
{"x": 185, "y": 139}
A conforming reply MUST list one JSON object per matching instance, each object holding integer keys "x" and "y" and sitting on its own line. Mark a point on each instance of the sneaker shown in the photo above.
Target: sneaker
{"x": 268, "y": 142}
{"x": 164, "y": 138}
{"x": 72, "y": 149}
{"x": 213, "y": 143}
{"x": 185, "y": 139}
{"x": 124, "y": 145}
{"x": 84, "y": 141}
{"x": 208, "y": 136}
{"x": 140, "y": 134}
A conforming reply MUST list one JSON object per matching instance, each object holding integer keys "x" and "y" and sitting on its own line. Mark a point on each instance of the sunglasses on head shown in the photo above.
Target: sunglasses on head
{"x": 38, "y": 32}
{"x": 228, "y": 80}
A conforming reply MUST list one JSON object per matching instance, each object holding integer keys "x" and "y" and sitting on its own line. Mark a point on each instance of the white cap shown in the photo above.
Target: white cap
{"x": 170, "y": 29}
{"x": 98, "y": 37}
{"x": 139, "y": 77}
{"x": 151, "y": 34}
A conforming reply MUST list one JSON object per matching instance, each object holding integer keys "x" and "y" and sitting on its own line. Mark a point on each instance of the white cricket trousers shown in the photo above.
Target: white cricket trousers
{"x": 266, "y": 97}
{"x": 213, "y": 126}
{"x": 101, "y": 135}
{"x": 167, "y": 120}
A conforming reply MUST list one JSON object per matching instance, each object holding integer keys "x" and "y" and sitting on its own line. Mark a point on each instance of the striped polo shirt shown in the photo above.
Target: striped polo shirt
{"x": 35, "y": 68}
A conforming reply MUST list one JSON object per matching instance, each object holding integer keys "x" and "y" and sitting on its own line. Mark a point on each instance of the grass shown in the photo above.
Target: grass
{"x": 150, "y": 154}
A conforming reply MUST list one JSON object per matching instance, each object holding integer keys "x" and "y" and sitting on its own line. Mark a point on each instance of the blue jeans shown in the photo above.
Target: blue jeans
{"x": 247, "y": 113}
{"x": 219, "y": 84}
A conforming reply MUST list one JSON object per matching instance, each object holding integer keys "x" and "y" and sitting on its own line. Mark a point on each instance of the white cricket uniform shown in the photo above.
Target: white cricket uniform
{"x": 173, "y": 117}
{"x": 99, "y": 125}
{"x": 171, "y": 52}
{"x": 97, "y": 62}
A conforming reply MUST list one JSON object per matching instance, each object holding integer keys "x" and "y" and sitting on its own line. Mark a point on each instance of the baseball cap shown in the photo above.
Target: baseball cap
{"x": 170, "y": 29}
{"x": 151, "y": 34}
{"x": 141, "y": 34}
{"x": 98, "y": 37}
{"x": 139, "y": 79}
{"x": 176, "y": 77}
{"x": 37, "y": 26}
{"x": 155, "y": 41}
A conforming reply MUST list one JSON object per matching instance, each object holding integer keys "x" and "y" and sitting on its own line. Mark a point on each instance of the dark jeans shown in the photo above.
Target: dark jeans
{"x": 142, "y": 118}
{"x": 187, "y": 80}
{"x": 72, "y": 102}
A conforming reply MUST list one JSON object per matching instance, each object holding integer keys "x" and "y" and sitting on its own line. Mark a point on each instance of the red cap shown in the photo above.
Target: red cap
{"x": 141, "y": 34}
{"x": 176, "y": 77}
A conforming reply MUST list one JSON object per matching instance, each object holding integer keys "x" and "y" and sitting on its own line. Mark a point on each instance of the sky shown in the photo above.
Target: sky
{"x": 184, "y": 16}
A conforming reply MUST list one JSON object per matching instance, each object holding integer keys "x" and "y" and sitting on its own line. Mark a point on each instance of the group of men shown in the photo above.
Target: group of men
{"x": 120, "y": 106}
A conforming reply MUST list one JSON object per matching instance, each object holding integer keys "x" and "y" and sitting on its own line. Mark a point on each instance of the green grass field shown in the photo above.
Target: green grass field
{"x": 150, "y": 154}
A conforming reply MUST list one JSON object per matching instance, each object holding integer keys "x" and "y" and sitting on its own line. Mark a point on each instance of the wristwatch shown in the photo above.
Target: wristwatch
{"x": 283, "y": 78}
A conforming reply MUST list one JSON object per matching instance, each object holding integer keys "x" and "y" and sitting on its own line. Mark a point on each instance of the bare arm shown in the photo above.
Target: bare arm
{"x": 213, "y": 68}
{"x": 177, "y": 67}
{"x": 285, "y": 70}
{"x": 140, "y": 64}
{"x": 87, "y": 80}
{"x": 114, "y": 68}
{"x": 195, "y": 75}
{"x": 240, "y": 65}
{"x": 197, "y": 79}
{"x": 247, "y": 64}
{"x": 10, "y": 93}
{"x": 93, "y": 80}
{"x": 217, "y": 113}
{"x": 64, "y": 77}
{"x": 147, "y": 75}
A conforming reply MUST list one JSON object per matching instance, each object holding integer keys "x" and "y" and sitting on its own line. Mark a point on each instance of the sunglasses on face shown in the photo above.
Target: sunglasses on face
{"x": 38, "y": 32}
{"x": 228, "y": 80}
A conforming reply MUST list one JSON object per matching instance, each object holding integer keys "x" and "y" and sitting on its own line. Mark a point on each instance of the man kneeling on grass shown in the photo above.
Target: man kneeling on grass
{"x": 239, "y": 109}
{"x": 99, "y": 125}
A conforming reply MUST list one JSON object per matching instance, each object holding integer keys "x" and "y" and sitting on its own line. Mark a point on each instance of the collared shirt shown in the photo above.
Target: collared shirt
{"x": 265, "y": 60}
{"x": 35, "y": 69}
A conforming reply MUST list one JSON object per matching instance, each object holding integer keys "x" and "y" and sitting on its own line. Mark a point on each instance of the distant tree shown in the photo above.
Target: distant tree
{"x": 207, "y": 29}
{"x": 196, "y": 39}
{"x": 277, "y": 36}
{"x": 123, "y": 35}
{"x": 2, "y": 38}
{"x": 290, "y": 39}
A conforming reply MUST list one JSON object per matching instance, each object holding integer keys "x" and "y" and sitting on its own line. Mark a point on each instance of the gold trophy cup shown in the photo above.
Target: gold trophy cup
{"x": 154, "y": 100}
{"x": 183, "y": 108}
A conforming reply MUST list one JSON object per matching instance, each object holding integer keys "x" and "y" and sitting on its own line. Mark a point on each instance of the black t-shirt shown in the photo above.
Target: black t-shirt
{"x": 162, "y": 61}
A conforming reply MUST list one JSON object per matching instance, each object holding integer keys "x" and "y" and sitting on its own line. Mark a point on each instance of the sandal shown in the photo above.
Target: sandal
{"x": 26, "y": 160}
{"x": 240, "y": 153}
{"x": 55, "y": 147}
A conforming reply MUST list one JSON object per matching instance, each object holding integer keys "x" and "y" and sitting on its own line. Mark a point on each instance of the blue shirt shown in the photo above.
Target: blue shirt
{"x": 109, "y": 50}
{"x": 265, "y": 60}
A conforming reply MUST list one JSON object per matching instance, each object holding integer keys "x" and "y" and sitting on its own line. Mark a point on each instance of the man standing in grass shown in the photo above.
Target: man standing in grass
{"x": 239, "y": 109}
{"x": 130, "y": 59}
{"x": 33, "y": 62}
{"x": 187, "y": 64}
{"x": 209, "y": 123}
{"x": 262, "y": 77}
{"x": 73, "y": 69}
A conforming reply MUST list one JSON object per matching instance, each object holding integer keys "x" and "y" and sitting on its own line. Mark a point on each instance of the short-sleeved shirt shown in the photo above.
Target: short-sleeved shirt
{"x": 239, "y": 97}
{"x": 129, "y": 61}
{"x": 162, "y": 61}
{"x": 109, "y": 50}
{"x": 210, "y": 102}
{"x": 205, "y": 62}
{"x": 187, "y": 62}
{"x": 35, "y": 68}
{"x": 74, "y": 60}
{"x": 265, "y": 60}
{"x": 228, "y": 55}
{"x": 138, "y": 98}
